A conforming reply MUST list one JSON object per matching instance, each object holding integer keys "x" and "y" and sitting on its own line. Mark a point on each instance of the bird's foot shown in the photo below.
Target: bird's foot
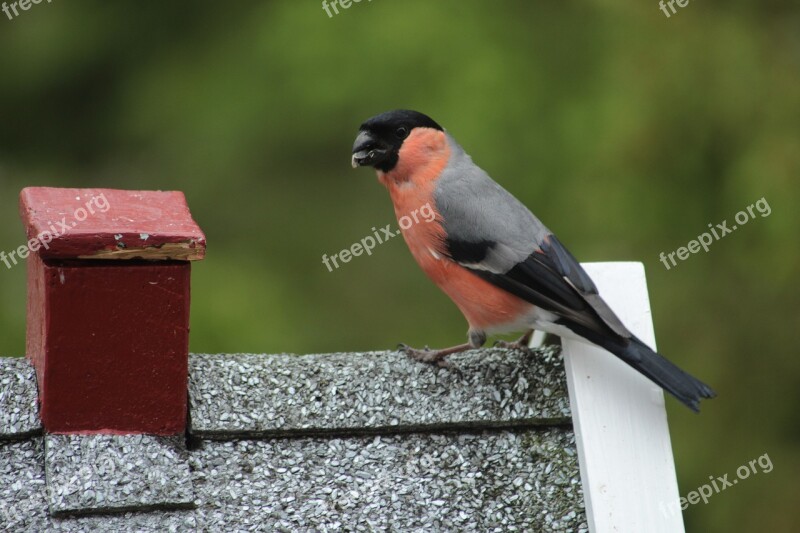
{"x": 435, "y": 357}
{"x": 425, "y": 355}
{"x": 522, "y": 344}
{"x": 516, "y": 345}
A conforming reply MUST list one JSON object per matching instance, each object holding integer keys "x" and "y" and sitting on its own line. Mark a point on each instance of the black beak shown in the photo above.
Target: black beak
{"x": 368, "y": 150}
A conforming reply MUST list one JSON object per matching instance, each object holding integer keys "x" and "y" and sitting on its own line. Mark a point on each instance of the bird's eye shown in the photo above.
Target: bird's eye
{"x": 402, "y": 132}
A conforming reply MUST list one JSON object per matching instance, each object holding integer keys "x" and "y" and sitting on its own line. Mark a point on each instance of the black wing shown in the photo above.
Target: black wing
{"x": 550, "y": 278}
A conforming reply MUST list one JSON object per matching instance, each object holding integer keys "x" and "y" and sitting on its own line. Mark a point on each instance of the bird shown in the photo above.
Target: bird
{"x": 503, "y": 268}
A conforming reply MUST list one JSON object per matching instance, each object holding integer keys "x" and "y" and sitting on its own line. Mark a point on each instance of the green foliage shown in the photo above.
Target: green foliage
{"x": 625, "y": 131}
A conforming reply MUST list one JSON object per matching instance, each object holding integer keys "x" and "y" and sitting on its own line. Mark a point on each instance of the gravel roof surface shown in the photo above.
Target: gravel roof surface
{"x": 521, "y": 480}
{"x": 19, "y": 413}
{"x": 24, "y": 500}
{"x": 101, "y": 473}
{"x": 246, "y": 395}
{"x": 494, "y": 481}
{"x": 339, "y": 442}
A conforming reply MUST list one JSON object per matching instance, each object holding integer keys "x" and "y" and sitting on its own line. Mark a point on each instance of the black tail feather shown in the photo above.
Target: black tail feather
{"x": 686, "y": 388}
{"x": 683, "y": 386}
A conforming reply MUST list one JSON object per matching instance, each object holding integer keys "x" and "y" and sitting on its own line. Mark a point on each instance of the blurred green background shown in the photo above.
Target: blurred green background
{"x": 625, "y": 131}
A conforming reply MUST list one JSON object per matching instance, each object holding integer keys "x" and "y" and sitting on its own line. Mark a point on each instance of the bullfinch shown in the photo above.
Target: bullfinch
{"x": 498, "y": 263}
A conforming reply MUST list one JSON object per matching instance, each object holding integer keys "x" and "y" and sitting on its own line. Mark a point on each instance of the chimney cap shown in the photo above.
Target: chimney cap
{"x": 110, "y": 224}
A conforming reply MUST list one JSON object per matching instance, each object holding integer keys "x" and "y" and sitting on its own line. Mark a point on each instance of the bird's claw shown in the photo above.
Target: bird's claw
{"x": 425, "y": 355}
{"x": 513, "y": 346}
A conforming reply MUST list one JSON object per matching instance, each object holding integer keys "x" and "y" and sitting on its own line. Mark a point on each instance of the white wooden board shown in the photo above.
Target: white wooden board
{"x": 626, "y": 461}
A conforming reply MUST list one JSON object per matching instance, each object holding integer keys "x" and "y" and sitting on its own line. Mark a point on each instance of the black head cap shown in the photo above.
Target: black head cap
{"x": 380, "y": 138}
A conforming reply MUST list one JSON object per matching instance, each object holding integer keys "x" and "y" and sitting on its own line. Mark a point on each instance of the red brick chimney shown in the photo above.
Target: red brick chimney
{"x": 108, "y": 307}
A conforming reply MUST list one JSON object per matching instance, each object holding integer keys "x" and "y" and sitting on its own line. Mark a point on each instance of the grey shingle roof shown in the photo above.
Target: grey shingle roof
{"x": 484, "y": 445}
{"x": 102, "y": 473}
{"x": 19, "y": 415}
{"x": 256, "y": 395}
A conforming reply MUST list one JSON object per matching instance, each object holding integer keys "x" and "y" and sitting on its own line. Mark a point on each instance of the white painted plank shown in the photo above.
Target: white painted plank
{"x": 627, "y": 467}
